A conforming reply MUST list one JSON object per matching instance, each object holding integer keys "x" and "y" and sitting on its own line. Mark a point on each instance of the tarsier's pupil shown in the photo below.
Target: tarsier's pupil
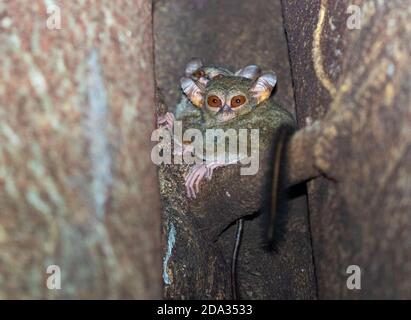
{"x": 214, "y": 101}
{"x": 237, "y": 101}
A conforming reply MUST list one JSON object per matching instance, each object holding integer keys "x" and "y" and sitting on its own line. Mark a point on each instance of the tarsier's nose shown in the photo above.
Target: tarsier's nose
{"x": 225, "y": 108}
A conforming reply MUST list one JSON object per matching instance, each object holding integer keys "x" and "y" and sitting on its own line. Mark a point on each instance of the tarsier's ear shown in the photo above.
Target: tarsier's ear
{"x": 251, "y": 72}
{"x": 263, "y": 86}
{"x": 193, "y": 91}
{"x": 192, "y": 66}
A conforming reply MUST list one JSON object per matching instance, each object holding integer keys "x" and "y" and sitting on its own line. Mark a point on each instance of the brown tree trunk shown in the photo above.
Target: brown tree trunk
{"x": 357, "y": 83}
{"x": 77, "y": 186}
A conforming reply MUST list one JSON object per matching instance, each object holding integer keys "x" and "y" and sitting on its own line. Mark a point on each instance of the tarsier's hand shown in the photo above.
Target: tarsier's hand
{"x": 197, "y": 174}
{"x": 166, "y": 121}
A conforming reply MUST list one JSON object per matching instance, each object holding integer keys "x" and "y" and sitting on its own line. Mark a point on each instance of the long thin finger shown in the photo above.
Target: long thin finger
{"x": 188, "y": 184}
{"x": 199, "y": 178}
{"x": 191, "y": 180}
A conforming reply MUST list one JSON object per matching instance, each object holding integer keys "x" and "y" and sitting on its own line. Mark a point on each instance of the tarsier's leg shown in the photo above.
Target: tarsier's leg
{"x": 197, "y": 174}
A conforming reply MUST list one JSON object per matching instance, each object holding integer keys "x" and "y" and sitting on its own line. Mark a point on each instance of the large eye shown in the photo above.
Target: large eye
{"x": 238, "y": 101}
{"x": 214, "y": 102}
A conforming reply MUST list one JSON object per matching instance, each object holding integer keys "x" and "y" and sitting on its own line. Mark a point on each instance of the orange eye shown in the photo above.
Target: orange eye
{"x": 237, "y": 101}
{"x": 199, "y": 74}
{"x": 214, "y": 102}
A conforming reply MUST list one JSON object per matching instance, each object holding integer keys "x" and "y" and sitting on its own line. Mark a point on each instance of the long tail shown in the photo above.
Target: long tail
{"x": 276, "y": 185}
{"x": 234, "y": 259}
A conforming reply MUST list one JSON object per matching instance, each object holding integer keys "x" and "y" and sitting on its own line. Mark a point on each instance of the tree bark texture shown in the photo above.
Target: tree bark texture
{"x": 357, "y": 83}
{"x": 77, "y": 186}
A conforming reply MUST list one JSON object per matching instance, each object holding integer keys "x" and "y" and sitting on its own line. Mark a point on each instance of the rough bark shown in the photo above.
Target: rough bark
{"x": 358, "y": 83}
{"x": 77, "y": 185}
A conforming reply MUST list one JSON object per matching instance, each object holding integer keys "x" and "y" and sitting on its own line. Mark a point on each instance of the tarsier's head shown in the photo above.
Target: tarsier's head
{"x": 198, "y": 72}
{"x": 227, "y": 96}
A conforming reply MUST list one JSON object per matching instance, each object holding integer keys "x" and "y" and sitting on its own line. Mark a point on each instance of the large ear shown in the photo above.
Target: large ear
{"x": 250, "y": 72}
{"x": 192, "y": 66}
{"x": 193, "y": 91}
{"x": 263, "y": 86}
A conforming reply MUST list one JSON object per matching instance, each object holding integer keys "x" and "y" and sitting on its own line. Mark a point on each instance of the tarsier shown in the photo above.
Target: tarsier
{"x": 215, "y": 98}
{"x": 186, "y": 111}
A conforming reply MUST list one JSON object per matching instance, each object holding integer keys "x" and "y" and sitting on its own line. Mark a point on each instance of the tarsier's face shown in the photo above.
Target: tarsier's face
{"x": 224, "y": 95}
{"x": 227, "y": 97}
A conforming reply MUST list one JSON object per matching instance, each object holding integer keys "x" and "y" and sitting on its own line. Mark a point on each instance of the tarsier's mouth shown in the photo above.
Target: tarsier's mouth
{"x": 225, "y": 116}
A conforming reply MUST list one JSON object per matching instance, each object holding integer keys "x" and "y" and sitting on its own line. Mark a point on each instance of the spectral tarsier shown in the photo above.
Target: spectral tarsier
{"x": 219, "y": 99}
{"x": 189, "y": 113}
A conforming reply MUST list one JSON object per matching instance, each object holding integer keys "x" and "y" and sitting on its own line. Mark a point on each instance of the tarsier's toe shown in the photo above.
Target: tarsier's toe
{"x": 166, "y": 121}
{"x": 193, "y": 179}
{"x": 199, "y": 178}
{"x": 189, "y": 190}
{"x": 189, "y": 185}
{"x": 211, "y": 168}
{"x": 170, "y": 120}
{"x": 161, "y": 120}
{"x": 209, "y": 174}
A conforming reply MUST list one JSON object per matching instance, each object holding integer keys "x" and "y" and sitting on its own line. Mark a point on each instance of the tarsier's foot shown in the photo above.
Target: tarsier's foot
{"x": 193, "y": 179}
{"x": 211, "y": 167}
{"x": 196, "y": 175}
{"x": 166, "y": 121}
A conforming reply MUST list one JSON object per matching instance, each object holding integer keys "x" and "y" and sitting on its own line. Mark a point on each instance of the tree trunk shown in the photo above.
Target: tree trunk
{"x": 78, "y": 189}
{"x": 358, "y": 83}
